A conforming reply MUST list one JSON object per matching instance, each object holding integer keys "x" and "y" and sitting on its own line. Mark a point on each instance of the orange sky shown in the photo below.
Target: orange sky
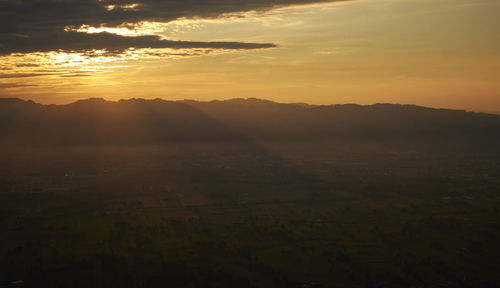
{"x": 439, "y": 53}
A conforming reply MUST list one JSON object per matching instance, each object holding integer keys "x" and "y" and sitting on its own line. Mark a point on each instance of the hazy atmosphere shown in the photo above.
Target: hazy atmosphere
{"x": 249, "y": 143}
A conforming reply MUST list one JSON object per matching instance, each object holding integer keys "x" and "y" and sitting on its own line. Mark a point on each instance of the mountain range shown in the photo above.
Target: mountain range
{"x": 138, "y": 121}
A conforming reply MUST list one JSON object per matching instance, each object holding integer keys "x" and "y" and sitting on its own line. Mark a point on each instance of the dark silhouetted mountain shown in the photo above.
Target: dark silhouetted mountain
{"x": 265, "y": 119}
{"x": 96, "y": 121}
{"x": 137, "y": 121}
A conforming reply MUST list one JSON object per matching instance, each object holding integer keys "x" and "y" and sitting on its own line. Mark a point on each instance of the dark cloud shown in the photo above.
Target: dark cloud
{"x": 75, "y": 75}
{"x": 78, "y": 41}
{"x": 24, "y": 75}
{"x": 28, "y": 65}
{"x": 38, "y": 25}
{"x": 15, "y": 85}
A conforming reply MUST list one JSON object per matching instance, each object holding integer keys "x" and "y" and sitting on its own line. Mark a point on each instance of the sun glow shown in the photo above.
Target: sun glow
{"x": 326, "y": 53}
{"x": 125, "y": 29}
{"x": 124, "y": 7}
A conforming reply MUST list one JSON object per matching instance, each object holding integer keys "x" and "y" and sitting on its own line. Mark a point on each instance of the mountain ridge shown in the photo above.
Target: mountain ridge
{"x": 138, "y": 121}
{"x": 250, "y": 100}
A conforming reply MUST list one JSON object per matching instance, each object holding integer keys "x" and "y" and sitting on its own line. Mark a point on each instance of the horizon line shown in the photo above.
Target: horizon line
{"x": 300, "y": 104}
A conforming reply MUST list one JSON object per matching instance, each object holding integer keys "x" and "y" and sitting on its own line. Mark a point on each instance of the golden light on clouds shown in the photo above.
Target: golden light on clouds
{"x": 442, "y": 53}
{"x": 124, "y": 6}
{"x": 125, "y": 29}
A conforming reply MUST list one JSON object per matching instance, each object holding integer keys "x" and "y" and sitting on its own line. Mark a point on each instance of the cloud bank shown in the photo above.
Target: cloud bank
{"x": 41, "y": 25}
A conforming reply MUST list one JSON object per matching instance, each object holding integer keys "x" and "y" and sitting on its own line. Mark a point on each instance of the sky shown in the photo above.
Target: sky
{"x": 437, "y": 53}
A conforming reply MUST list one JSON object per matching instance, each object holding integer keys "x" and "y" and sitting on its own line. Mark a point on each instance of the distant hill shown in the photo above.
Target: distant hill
{"x": 100, "y": 122}
{"x": 137, "y": 121}
{"x": 266, "y": 119}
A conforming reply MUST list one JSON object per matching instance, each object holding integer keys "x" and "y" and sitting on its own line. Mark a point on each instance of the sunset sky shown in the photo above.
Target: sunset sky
{"x": 438, "y": 53}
